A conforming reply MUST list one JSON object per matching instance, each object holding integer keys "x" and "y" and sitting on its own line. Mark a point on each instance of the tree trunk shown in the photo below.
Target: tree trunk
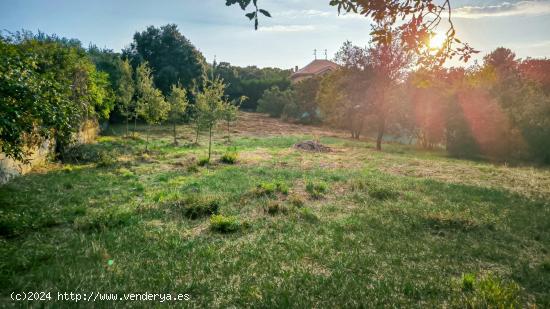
{"x": 135, "y": 127}
{"x": 126, "y": 135}
{"x": 381, "y": 129}
{"x": 147, "y": 142}
{"x": 197, "y": 137}
{"x": 228, "y": 132}
{"x": 175, "y": 140}
{"x": 210, "y": 144}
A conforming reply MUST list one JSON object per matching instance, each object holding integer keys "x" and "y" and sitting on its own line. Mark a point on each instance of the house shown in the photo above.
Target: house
{"x": 317, "y": 67}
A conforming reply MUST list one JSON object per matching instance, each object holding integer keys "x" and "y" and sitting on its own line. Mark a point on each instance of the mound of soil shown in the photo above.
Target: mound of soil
{"x": 312, "y": 146}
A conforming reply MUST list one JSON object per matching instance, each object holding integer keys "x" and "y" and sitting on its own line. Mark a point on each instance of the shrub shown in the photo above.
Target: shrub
{"x": 316, "y": 189}
{"x": 88, "y": 153}
{"x": 223, "y": 224}
{"x": 273, "y": 101}
{"x": 203, "y": 161}
{"x": 229, "y": 157}
{"x": 194, "y": 207}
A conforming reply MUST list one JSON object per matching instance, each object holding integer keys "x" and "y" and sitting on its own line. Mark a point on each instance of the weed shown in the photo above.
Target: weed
{"x": 317, "y": 190}
{"x": 195, "y": 206}
{"x": 490, "y": 292}
{"x": 468, "y": 281}
{"x": 102, "y": 219}
{"x": 296, "y": 200}
{"x": 271, "y": 188}
{"x": 223, "y": 224}
{"x": 274, "y": 207}
{"x": 203, "y": 162}
{"x": 307, "y": 214}
{"x": 229, "y": 157}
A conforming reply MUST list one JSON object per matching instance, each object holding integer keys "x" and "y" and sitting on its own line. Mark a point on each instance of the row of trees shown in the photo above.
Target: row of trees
{"x": 50, "y": 86}
{"x": 499, "y": 109}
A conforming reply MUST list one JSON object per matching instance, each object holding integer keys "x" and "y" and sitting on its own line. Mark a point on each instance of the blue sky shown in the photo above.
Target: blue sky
{"x": 286, "y": 40}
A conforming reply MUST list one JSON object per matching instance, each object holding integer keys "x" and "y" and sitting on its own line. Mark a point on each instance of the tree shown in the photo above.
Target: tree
{"x": 304, "y": 107}
{"x": 178, "y": 104}
{"x": 273, "y": 101}
{"x": 171, "y": 56}
{"x": 125, "y": 91}
{"x": 343, "y": 96}
{"x": 389, "y": 61}
{"x": 150, "y": 104}
{"x": 210, "y": 107}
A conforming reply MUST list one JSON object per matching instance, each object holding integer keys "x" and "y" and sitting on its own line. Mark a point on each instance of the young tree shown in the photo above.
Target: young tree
{"x": 151, "y": 104}
{"x": 230, "y": 114}
{"x": 125, "y": 91}
{"x": 210, "y": 107}
{"x": 178, "y": 104}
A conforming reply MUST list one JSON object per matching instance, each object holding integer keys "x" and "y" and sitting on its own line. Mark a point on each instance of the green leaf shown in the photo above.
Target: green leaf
{"x": 251, "y": 15}
{"x": 266, "y": 13}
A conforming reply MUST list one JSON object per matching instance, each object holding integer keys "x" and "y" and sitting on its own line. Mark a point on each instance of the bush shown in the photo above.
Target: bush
{"x": 316, "y": 189}
{"x": 223, "y": 224}
{"x": 229, "y": 158}
{"x": 194, "y": 207}
{"x": 273, "y": 101}
{"x": 88, "y": 153}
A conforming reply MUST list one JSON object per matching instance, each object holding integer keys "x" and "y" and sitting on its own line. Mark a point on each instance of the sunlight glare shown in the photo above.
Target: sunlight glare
{"x": 437, "y": 41}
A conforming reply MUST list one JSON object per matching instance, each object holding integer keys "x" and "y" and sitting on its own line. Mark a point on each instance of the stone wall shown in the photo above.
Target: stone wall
{"x": 10, "y": 168}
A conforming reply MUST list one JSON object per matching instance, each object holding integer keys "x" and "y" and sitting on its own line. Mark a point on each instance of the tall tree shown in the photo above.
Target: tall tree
{"x": 171, "y": 56}
{"x": 125, "y": 90}
{"x": 390, "y": 61}
{"x": 150, "y": 104}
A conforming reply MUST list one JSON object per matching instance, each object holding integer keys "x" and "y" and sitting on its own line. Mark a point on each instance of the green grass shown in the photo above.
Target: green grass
{"x": 282, "y": 228}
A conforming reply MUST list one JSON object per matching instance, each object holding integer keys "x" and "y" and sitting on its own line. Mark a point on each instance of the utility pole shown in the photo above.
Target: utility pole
{"x": 326, "y": 55}
{"x": 315, "y": 53}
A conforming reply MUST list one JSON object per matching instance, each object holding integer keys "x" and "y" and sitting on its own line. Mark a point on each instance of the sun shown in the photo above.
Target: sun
{"x": 437, "y": 41}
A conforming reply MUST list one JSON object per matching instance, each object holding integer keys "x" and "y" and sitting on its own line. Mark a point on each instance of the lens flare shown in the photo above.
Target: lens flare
{"x": 437, "y": 41}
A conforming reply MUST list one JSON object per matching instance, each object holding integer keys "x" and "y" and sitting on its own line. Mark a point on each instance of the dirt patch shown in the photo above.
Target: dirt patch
{"x": 312, "y": 146}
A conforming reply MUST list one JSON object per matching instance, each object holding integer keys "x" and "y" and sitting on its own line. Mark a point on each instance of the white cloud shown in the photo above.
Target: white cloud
{"x": 303, "y": 14}
{"x": 287, "y": 28}
{"x": 522, "y": 8}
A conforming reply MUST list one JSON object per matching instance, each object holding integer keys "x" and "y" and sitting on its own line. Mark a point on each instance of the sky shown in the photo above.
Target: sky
{"x": 286, "y": 40}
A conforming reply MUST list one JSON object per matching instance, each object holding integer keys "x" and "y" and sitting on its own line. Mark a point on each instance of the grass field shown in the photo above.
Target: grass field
{"x": 281, "y": 227}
